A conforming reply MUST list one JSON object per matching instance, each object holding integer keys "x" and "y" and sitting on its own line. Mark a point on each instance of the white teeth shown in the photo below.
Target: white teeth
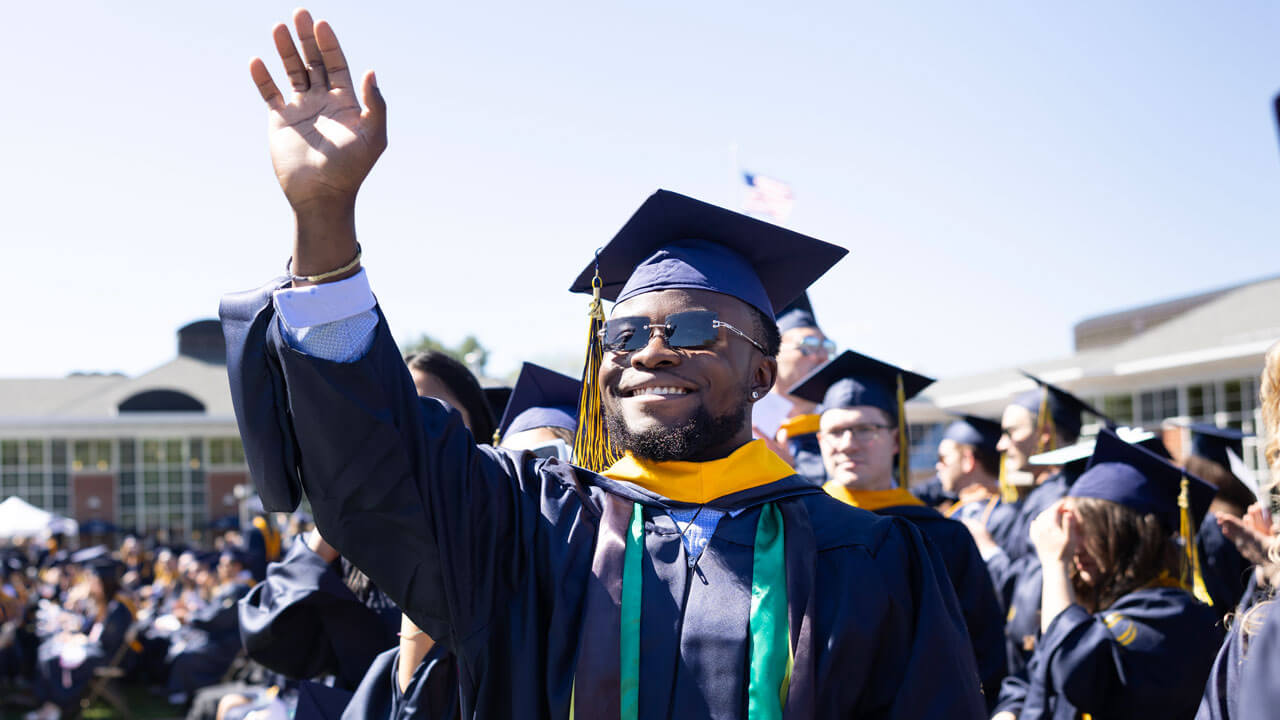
{"x": 659, "y": 391}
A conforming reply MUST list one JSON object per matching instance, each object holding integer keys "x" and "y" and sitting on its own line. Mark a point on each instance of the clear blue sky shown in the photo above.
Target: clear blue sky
{"x": 999, "y": 171}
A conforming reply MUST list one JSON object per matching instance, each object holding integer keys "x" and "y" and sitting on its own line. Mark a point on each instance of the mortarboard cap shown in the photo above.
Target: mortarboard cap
{"x": 496, "y": 398}
{"x": 853, "y": 379}
{"x": 1140, "y": 479}
{"x": 674, "y": 241}
{"x": 798, "y": 314}
{"x": 1083, "y": 449}
{"x": 236, "y": 555}
{"x": 1212, "y": 443}
{"x": 1064, "y": 409}
{"x": 541, "y": 398}
{"x": 88, "y": 555}
{"x": 974, "y": 430}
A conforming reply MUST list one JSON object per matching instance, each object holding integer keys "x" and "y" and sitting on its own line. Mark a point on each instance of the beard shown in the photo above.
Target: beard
{"x": 691, "y": 438}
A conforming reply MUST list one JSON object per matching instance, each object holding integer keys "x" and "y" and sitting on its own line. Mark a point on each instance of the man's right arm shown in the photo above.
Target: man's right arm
{"x": 397, "y": 483}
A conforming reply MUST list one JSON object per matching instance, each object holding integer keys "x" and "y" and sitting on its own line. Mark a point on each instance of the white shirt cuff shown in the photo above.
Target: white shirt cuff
{"x": 990, "y": 553}
{"x": 313, "y": 305}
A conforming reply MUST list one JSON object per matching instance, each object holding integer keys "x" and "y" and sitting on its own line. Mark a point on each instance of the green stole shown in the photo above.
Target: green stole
{"x": 769, "y": 627}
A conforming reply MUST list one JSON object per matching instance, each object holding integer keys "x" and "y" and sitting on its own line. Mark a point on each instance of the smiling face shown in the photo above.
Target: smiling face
{"x": 665, "y": 403}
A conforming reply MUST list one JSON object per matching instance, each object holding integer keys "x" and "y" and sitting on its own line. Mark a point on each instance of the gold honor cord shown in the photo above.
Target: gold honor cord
{"x": 591, "y": 447}
{"x": 1191, "y": 574}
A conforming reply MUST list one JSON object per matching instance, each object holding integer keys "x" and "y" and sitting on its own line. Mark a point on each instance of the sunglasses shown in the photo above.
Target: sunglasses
{"x": 693, "y": 329}
{"x": 812, "y": 345}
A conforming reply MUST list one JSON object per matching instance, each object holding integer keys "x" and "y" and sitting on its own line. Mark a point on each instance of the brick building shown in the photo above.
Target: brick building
{"x": 157, "y": 451}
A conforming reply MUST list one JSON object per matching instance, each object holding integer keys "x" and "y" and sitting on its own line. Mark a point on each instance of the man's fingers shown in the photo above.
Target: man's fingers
{"x": 335, "y": 63}
{"x": 293, "y": 66}
{"x": 266, "y": 86}
{"x": 310, "y": 50}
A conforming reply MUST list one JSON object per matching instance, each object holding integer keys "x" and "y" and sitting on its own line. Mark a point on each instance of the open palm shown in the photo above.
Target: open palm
{"x": 322, "y": 144}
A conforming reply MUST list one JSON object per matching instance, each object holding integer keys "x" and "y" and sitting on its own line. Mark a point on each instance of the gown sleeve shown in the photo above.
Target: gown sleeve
{"x": 303, "y": 621}
{"x": 396, "y": 482}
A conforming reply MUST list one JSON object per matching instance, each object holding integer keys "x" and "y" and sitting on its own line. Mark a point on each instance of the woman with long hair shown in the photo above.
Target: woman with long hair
{"x": 1243, "y": 683}
{"x": 1122, "y": 636}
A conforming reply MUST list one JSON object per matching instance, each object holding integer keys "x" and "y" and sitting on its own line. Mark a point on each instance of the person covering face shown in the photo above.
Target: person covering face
{"x": 691, "y": 576}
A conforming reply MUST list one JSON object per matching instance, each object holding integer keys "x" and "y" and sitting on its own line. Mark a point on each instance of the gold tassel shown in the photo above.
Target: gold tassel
{"x": 904, "y": 442}
{"x": 591, "y": 447}
{"x": 1191, "y": 553}
{"x": 1008, "y": 492}
{"x": 1044, "y": 423}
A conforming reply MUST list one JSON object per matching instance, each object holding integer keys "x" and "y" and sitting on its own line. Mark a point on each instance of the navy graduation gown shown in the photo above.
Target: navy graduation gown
{"x": 807, "y": 458}
{"x": 209, "y": 644}
{"x": 1225, "y": 571}
{"x": 303, "y": 621}
{"x": 1259, "y": 693}
{"x": 1147, "y": 655}
{"x": 983, "y": 615}
{"x": 1018, "y": 540}
{"x": 490, "y": 552}
{"x": 65, "y": 689}
{"x": 432, "y": 693}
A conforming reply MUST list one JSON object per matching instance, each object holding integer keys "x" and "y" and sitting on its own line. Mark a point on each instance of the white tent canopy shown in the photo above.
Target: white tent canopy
{"x": 19, "y": 519}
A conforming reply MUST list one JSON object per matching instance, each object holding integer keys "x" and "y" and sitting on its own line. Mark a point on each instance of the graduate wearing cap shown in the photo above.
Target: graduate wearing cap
{"x": 541, "y": 415}
{"x": 1216, "y": 456}
{"x": 803, "y": 348}
{"x": 1122, "y": 634}
{"x": 681, "y": 569}
{"x": 1019, "y": 582}
{"x": 1040, "y": 420}
{"x": 65, "y": 662}
{"x": 969, "y": 469}
{"x": 862, "y": 437}
{"x": 211, "y": 638}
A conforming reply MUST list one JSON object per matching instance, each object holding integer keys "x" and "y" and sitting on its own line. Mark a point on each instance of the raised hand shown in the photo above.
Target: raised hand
{"x": 322, "y": 144}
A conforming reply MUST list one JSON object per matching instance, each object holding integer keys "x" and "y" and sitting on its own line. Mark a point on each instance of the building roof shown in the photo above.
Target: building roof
{"x": 198, "y": 374}
{"x": 1231, "y": 324}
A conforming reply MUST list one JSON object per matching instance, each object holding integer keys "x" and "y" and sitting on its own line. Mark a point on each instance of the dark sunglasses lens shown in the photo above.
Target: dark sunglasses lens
{"x": 626, "y": 333}
{"x": 694, "y": 329}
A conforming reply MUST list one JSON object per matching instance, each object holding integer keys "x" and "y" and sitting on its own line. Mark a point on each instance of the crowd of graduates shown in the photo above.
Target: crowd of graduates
{"x": 147, "y": 612}
{"x": 716, "y": 519}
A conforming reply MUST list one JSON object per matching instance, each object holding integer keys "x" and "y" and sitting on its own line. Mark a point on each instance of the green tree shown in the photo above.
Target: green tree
{"x": 469, "y": 352}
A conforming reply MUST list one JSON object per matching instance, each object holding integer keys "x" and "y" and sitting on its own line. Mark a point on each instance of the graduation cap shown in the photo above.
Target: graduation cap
{"x": 496, "y": 398}
{"x": 797, "y": 314}
{"x": 1215, "y": 443}
{"x": 1083, "y": 449}
{"x": 676, "y": 242}
{"x": 973, "y": 430}
{"x": 853, "y": 380}
{"x": 1056, "y": 409}
{"x": 540, "y": 398}
{"x": 236, "y": 555}
{"x": 1140, "y": 479}
{"x": 88, "y": 555}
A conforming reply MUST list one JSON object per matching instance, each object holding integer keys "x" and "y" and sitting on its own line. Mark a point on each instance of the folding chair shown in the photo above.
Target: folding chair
{"x": 103, "y": 684}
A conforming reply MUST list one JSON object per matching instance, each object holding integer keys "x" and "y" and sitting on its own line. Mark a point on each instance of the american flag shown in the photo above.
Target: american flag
{"x": 767, "y": 196}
